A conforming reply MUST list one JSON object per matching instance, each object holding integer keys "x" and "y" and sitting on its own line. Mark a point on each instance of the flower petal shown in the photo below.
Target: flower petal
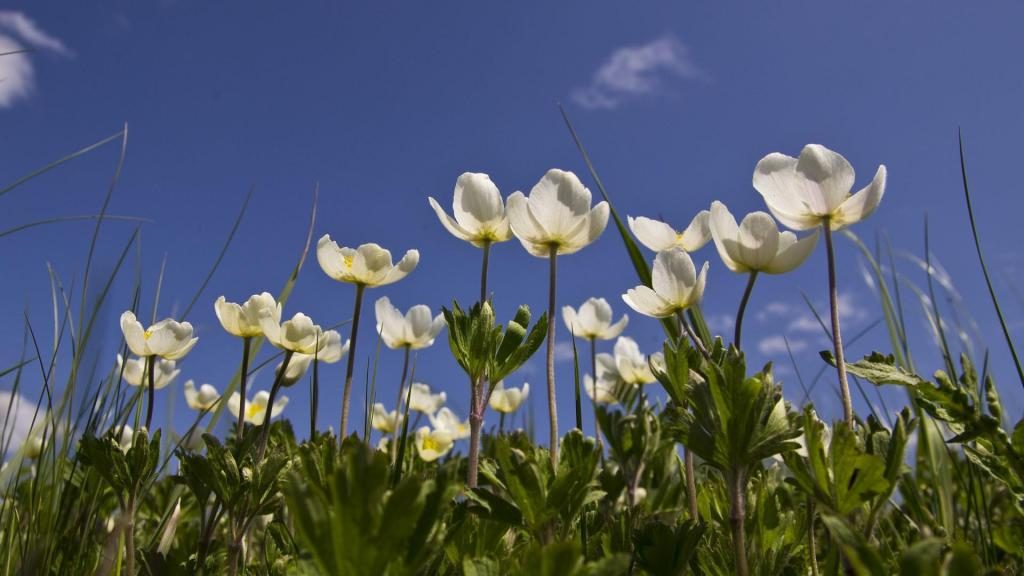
{"x": 654, "y": 234}
{"x": 791, "y": 252}
{"x": 863, "y": 203}
{"x": 830, "y": 171}
{"x": 647, "y": 302}
{"x": 758, "y": 240}
{"x": 406, "y": 265}
{"x": 697, "y": 234}
{"x": 134, "y": 334}
{"x": 673, "y": 275}
{"x": 726, "y": 233}
{"x": 477, "y": 202}
{"x": 448, "y": 222}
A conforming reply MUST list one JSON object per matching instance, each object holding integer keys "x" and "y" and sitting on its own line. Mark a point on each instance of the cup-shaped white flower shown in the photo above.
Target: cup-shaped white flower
{"x": 754, "y": 246}
{"x": 415, "y": 330}
{"x": 422, "y": 400}
{"x": 432, "y": 444}
{"x": 366, "y": 266}
{"x": 256, "y": 409}
{"x": 659, "y": 236}
{"x": 133, "y": 371}
{"x": 203, "y": 398}
{"x": 479, "y": 211}
{"x": 384, "y": 421}
{"x": 593, "y": 320}
{"x": 446, "y": 421}
{"x": 125, "y": 437}
{"x": 243, "y": 320}
{"x": 508, "y": 400}
{"x": 167, "y": 338}
{"x": 814, "y": 189}
{"x": 600, "y": 391}
{"x": 675, "y": 286}
{"x": 631, "y": 366}
{"x": 331, "y": 352}
{"x": 298, "y": 335}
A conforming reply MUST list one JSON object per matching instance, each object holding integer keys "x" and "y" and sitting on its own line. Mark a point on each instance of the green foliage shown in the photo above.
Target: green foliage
{"x": 487, "y": 351}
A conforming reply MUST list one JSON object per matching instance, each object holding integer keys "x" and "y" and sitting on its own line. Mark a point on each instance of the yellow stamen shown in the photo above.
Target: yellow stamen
{"x": 147, "y": 334}
{"x": 430, "y": 444}
{"x": 348, "y": 261}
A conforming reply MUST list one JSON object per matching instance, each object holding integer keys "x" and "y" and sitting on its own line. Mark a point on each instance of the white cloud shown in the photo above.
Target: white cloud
{"x": 720, "y": 323}
{"x": 849, "y": 313}
{"x": 563, "y": 351}
{"x": 633, "y": 71}
{"x": 773, "y": 310}
{"x": 17, "y": 422}
{"x": 772, "y": 345}
{"x": 17, "y": 74}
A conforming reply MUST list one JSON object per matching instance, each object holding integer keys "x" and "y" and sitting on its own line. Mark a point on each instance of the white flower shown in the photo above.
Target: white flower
{"x": 630, "y": 365}
{"x": 756, "y": 245}
{"x": 593, "y": 321}
{"x": 126, "y": 437}
{"x": 602, "y": 391}
{"x": 445, "y": 420}
{"x": 297, "y": 335}
{"x": 812, "y": 190}
{"x": 204, "y": 398}
{"x": 167, "y": 538}
{"x": 244, "y": 319}
{"x": 479, "y": 213}
{"x": 34, "y": 446}
{"x": 676, "y": 286}
{"x": 432, "y": 444}
{"x": 556, "y": 214}
{"x": 333, "y": 351}
{"x": 134, "y": 371}
{"x": 416, "y": 329}
{"x": 167, "y": 338}
{"x": 384, "y": 421}
{"x": 508, "y": 400}
{"x": 256, "y": 409}
{"x": 659, "y": 236}
{"x": 421, "y": 400}
{"x": 384, "y": 444}
{"x": 367, "y": 265}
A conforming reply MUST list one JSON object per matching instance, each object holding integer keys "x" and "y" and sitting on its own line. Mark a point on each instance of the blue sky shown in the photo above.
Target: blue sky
{"x": 385, "y": 104}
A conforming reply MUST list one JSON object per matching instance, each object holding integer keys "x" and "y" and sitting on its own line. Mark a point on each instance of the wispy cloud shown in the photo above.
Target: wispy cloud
{"x": 773, "y": 310}
{"x": 776, "y": 344}
{"x": 634, "y": 71}
{"x": 19, "y": 35}
{"x": 849, "y": 312}
{"x": 721, "y": 323}
{"x": 18, "y": 421}
{"x": 563, "y": 351}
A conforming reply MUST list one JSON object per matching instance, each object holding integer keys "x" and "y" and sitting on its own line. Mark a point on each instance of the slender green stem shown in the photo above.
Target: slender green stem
{"x": 129, "y": 536}
{"x": 483, "y": 272}
{"x": 691, "y": 484}
{"x": 837, "y": 338}
{"x": 244, "y": 377}
{"x": 743, "y": 308}
{"x": 401, "y": 383}
{"x": 314, "y": 398}
{"x": 476, "y": 420}
{"x": 347, "y": 393}
{"x": 737, "y": 518}
{"x": 812, "y": 546}
{"x": 697, "y": 343}
{"x": 501, "y": 423}
{"x": 593, "y": 393}
{"x": 552, "y": 406}
{"x": 265, "y": 431}
{"x": 151, "y": 372}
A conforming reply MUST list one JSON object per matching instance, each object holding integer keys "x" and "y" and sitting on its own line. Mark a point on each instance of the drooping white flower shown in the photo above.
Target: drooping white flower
{"x": 422, "y": 400}
{"x": 134, "y": 371}
{"x": 416, "y": 329}
{"x": 204, "y": 398}
{"x": 814, "y": 189}
{"x": 244, "y": 319}
{"x": 367, "y": 265}
{"x": 676, "y": 286}
{"x": 756, "y": 245}
{"x": 384, "y": 421}
{"x": 479, "y": 212}
{"x": 296, "y": 335}
{"x": 659, "y": 236}
{"x": 556, "y": 214}
{"x": 508, "y": 400}
{"x": 167, "y": 338}
{"x": 593, "y": 320}
{"x": 432, "y": 444}
{"x": 256, "y": 409}
{"x": 446, "y": 421}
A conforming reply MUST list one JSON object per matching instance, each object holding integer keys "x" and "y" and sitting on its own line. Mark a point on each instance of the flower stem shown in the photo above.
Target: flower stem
{"x": 401, "y": 383}
{"x": 314, "y": 398}
{"x": 552, "y": 406}
{"x": 593, "y": 394}
{"x": 151, "y": 372}
{"x": 691, "y": 484}
{"x": 129, "y": 536}
{"x": 837, "y": 337}
{"x": 483, "y": 272}
{"x": 743, "y": 308}
{"x": 245, "y": 374}
{"x": 265, "y": 432}
{"x": 693, "y": 336}
{"x": 738, "y": 517}
{"x": 476, "y": 420}
{"x": 351, "y": 362}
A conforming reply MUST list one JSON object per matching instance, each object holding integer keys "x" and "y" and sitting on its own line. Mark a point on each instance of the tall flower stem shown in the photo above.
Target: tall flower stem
{"x": 244, "y": 377}
{"x": 314, "y": 398}
{"x": 350, "y": 368}
{"x": 837, "y": 337}
{"x": 151, "y": 373}
{"x": 483, "y": 271}
{"x": 552, "y": 407}
{"x": 691, "y": 484}
{"x": 737, "y": 518}
{"x": 743, "y": 308}
{"x": 129, "y": 535}
{"x": 401, "y": 383}
{"x": 265, "y": 431}
{"x": 697, "y": 343}
{"x": 593, "y": 394}
{"x": 476, "y": 420}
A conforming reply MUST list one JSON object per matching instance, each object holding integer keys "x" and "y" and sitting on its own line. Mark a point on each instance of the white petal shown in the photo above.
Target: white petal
{"x": 477, "y": 202}
{"x": 406, "y": 265}
{"x": 522, "y": 222}
{"x": 726, "y": 233}
{"x": 790, "y": 196}
{"x": 654, "y": 234}
{"x": 697, "y": 234}
{"x": 234, "y": 404}
{"x": 418, "y": 324}
{"x": 559, "y": 201}
{"x": 448, "y": 222}
{"x": 863, "y": 203}
{"x": 792, "y": 252}
{"x": 331, "y": 259}
{"x": 615, "y": 329}
{"x": 647, "y": 302}
{"x": 390, "y": 323}
{"x": 758, "y": 240}
{"x": 134, "y": 334}
{"x": 570, "y": 318}
{"x": 830, "y": 171}
{"x": 673, "y": 275}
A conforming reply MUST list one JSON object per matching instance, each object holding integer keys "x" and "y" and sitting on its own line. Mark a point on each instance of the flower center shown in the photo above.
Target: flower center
{"x": 430, "y": 444}
{"x": 147, "y": 334}
{"x": 348, "y": 261}
{"x": 252, "y": 411}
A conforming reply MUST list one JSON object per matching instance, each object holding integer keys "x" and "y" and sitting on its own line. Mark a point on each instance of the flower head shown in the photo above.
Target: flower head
{"x": 659, "y": 236}
{"x": 204, "y": 398}
{"x": 814, "y": 189}
{"x": 134, "y": 371}
{"x": 256, "y": 409}
{"x": 432, "y": 444}
{"x": 676, "y": 286}
{"x": 384, "y": 421}
{"x": 417, "y": 329}
{"x": 756, "y": 245}
{"x": 367, "y": 265}
{"x": 508, "y": 400}
{"x": 628, "y": 364}
{"x": 296, "y": 335}
{"x": 593, "y": 320}
{"x": 331, "y": 352}
{"x": 244, "y": 319}
{"x": 167, "y": 338}
{"x": 479, "y": 212}
{"x": 556, "y": 214}
{"x": 601, "y": 391}
{"x": 446, "y": 420}
{"x": 422, "y": 400}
